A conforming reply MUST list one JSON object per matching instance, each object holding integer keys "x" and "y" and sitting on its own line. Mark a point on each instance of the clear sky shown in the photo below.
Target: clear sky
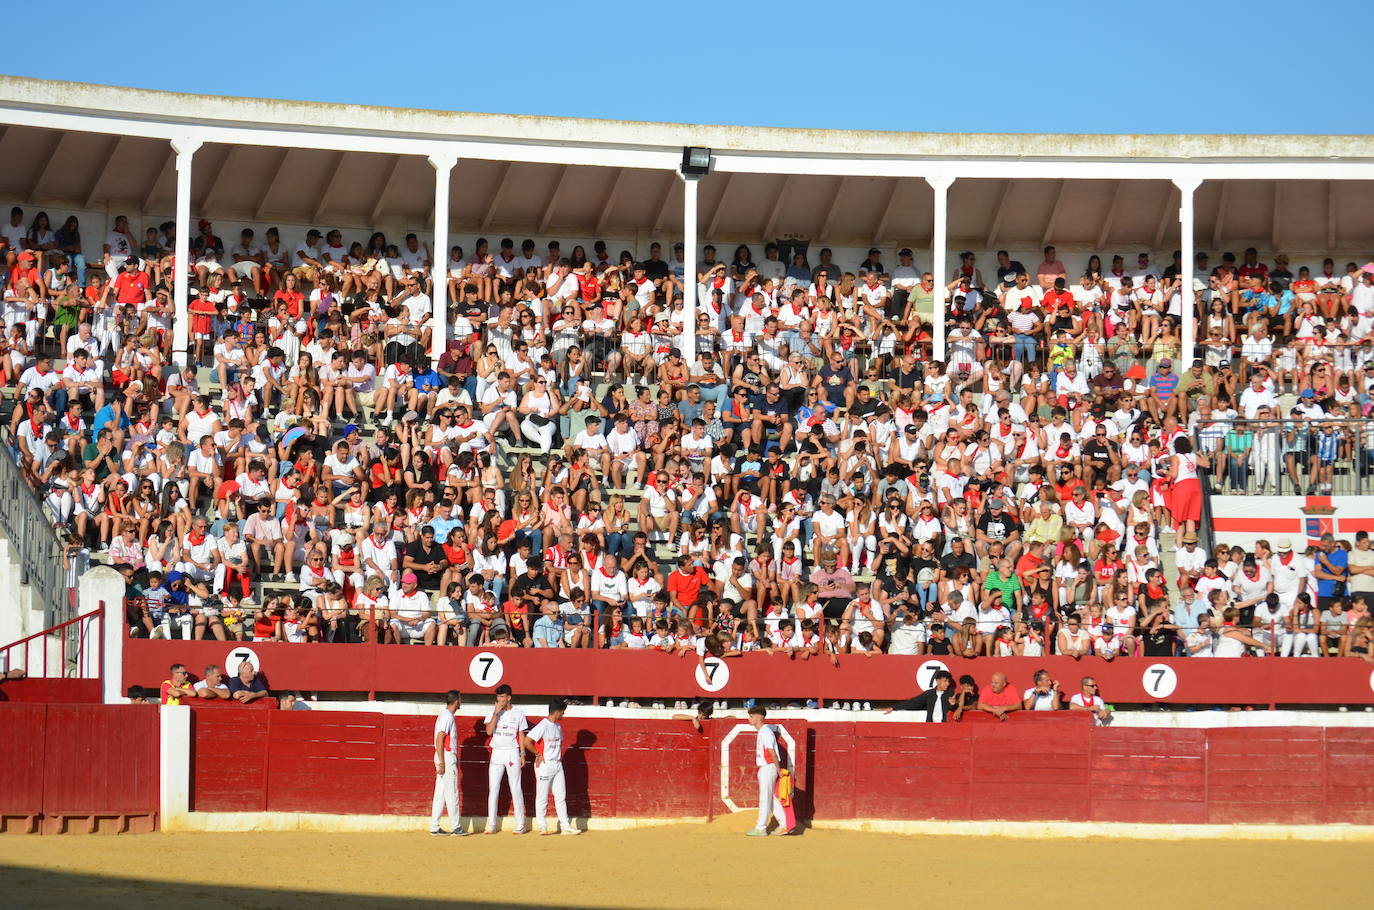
{"x": 1201, "y": 66}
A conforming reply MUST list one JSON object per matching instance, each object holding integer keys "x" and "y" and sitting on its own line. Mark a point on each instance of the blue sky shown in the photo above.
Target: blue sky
{"x": 1205, "y": 66}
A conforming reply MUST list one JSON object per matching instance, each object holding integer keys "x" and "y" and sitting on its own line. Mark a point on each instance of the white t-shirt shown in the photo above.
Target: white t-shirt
{"x": 509, "y": 726}
{"x": 444, "y": 724}
{"x": 119, "y": 245}
{"x": 766, "y": 741}
{"x": 549, "y": 735}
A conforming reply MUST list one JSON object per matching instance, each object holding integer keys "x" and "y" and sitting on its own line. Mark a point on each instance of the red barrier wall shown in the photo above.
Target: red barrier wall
{"x": 40, "y": 690}
{"x": 366, "y": 763}
{"x": 1032, "y": 768}
{"x": 79, "y": 767}
{"x": 651, "y": 674}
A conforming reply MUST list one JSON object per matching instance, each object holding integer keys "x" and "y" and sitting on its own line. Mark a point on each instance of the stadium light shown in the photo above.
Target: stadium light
{"x": 696, "y": 162}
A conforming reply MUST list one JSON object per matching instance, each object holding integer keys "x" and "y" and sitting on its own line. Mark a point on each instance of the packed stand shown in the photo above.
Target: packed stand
{"x": 812, "y": 481}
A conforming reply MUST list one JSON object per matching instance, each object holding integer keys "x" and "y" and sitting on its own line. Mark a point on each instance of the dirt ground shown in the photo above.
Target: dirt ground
{"x": 681, "y": 866}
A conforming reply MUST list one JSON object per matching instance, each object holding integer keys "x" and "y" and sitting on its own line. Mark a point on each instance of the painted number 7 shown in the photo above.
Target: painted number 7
{"x": 486, "y": 663}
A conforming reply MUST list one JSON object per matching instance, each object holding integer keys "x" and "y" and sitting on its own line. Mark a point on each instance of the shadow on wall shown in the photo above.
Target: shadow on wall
{"x": 47, "y": 888}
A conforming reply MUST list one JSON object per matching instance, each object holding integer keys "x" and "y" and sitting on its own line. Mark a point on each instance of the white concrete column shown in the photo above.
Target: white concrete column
{"x": 443, "y": 171}
{"x": 174, "y": 759}
{"x": 688, "y": 342}
{"x": 102, "y": 588}
{"x": 939, "y": 243}
{"x": 181, "y": 321}
{"x": 1186, "y": 187}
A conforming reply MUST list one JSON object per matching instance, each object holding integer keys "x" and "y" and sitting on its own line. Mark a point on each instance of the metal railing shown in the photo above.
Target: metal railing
{"x": 1289, "y": 457}
{"x": 80, "y": 650}
{"x": 37, "y": 546}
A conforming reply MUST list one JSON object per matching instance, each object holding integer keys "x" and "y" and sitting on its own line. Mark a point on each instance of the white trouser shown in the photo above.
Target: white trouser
{"x": 446, "y": 794}
{"x": 549, "y": 777}
{"x": 540, "y": 436}
{"x": 507, "y": 762}
{"x": 1293, "y": 644}
{"x": 768, "y": 805}
{"x": 1262, "y": 466}
{"x": 184, "y": 623}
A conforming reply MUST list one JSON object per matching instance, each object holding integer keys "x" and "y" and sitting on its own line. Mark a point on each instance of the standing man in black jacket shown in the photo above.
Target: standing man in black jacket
{"x": 937, "y": 702}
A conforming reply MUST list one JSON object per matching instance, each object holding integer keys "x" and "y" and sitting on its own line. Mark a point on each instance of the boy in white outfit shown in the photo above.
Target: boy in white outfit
{"x": 545, "y": 742}
{"x": 767, "y": 757}
{"x": 505, "y": 726}
{"x": 446, "y": 768}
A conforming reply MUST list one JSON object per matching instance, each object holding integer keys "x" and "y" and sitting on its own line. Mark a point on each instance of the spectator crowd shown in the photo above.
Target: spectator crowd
{"x": 812, "y": 479}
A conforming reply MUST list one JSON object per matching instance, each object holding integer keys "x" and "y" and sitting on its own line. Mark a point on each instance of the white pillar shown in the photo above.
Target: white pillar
{"x": 939, "y": 243}
{"x": 181, "y": 321}
{"x": 1186, "y": 187}
{"x": 438, "y": 270}
{"x": 688, "y": 342}
{"x": 102, "y": 588}
{"x": 174, "y": 784}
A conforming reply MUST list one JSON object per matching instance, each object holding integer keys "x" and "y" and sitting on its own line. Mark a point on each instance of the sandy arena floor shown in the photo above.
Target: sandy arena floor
{"x": 680, "y": 866}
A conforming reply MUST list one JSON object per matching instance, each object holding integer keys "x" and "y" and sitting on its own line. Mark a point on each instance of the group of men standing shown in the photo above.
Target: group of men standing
{"x": 511, "y": 739}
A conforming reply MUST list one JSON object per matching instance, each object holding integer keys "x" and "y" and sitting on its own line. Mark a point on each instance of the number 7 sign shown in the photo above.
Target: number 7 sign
{"x": 485, "y": 669}
{"x": 1159, "y": 680}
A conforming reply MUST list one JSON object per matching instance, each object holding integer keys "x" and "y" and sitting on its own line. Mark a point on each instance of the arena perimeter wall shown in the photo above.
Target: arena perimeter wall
{"x": 103, "y": 768}
{"x": 1059, "y": 768}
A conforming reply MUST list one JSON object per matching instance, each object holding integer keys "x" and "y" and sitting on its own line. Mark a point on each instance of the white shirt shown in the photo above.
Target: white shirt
{"x": 414, "y": 605}
{"x": 549, "y": 735}
{"x": 444, "y": 724}
{"x": 509, "y": 726}
{"x": 609, "y": 587}
{"x": 1093, "y": 703}
{"x": 767, "y": 741}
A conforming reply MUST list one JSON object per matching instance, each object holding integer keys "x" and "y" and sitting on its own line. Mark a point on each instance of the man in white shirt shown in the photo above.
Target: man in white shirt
{"x": 626, "y": 449}
{"x": 446, "y": 768}
{"x": 904, "y": 281}
{"x": 308, "y": 261}
{"x": 247, "y": 260}
{"x": 378, "y": 554}
{"x": 593, "y": 442}
{"x": 411, "y": 618}
{"x": 505, "y": 725}
{"x": 610, "y": 588}
{"x": 545, "y": 741}
{"x": 119, "y": 246}
{"x": 415, "y": 258}
{"x": 81, "y": 379}
{"x": 498, "y": 406}
{"x": 768, "y": 759}
{"x": 1256, "y": 396}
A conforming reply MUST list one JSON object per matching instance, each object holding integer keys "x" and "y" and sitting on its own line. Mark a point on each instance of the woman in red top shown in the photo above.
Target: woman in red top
{"x": 290, "y": 295}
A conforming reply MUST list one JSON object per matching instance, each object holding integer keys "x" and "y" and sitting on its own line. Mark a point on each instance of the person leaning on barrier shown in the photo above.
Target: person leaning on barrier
{"x": 938, "y": 702}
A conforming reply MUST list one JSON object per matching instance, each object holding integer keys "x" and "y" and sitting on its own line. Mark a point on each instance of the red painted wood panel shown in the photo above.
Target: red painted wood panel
{"x": 1349, "y": 796}
{"x": 1148, "y": 775}
{"x": 589, "y": 767}
{"x": 1029, "y": 772}
{"x": 585, "y": 672}
{"x": 660, "y": 769}
{"x": 101, "y": 759}
{"x": 408, "y": 764}
{"x": 228, "y": 760}
{"x": 38, "y": 690}
{"x": 1266, "y": 775}
{"x": 324, "y": 761}
{"x": 831, "y": 777}
{"x": 916, "y": 770}
{"x": 23, "y": 728}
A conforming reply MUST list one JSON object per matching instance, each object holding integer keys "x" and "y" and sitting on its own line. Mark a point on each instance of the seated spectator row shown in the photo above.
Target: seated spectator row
{"x": 566, "y": 475}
